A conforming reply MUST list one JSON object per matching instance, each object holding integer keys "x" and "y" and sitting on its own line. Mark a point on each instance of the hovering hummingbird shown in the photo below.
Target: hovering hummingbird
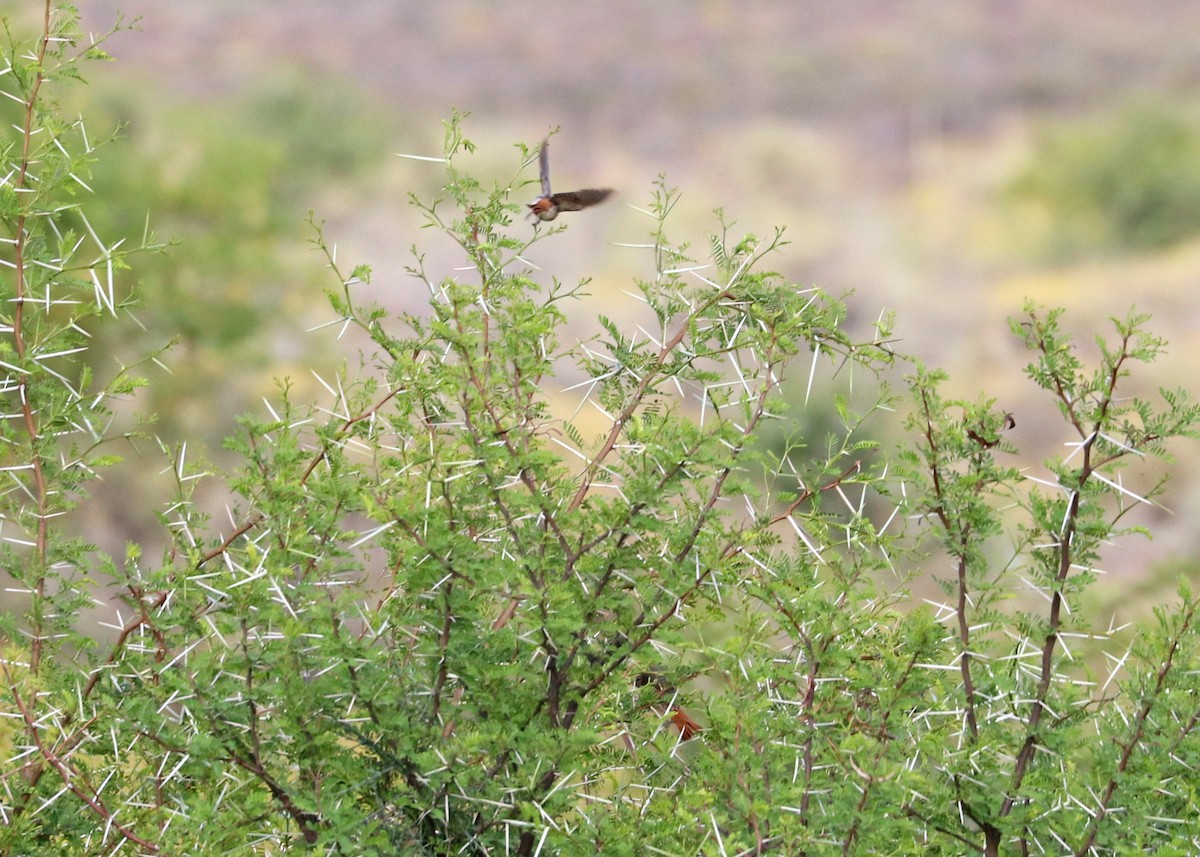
{"x": 548, "y": 205}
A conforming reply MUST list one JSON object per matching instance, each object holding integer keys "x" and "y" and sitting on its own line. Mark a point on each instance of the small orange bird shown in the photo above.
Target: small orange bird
{"x": 680, "y": 719}
{"x": 548, "y": 205}
{"x": 688, "y": 728}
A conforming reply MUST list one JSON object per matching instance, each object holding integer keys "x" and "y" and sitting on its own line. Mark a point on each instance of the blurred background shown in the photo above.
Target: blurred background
{"x": 940, "y": 160}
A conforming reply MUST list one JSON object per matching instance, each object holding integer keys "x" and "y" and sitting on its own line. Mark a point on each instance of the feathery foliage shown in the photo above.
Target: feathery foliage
{"x": 450, "y": 615}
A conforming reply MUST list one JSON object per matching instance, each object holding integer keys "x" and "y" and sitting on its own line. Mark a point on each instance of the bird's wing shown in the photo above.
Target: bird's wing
{"x": 544, "y": 164}
{"x": 573, "y": 200}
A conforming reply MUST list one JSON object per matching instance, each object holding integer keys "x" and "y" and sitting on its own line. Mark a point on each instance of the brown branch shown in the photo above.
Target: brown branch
{"x": 808, "y": 715}
{"x": 910, "y": 811}
{"x": 71, "y": 778}
{"x": 961, "y": 539}
{"x": 883, "y": 739}
{"x": 28, "y": 407}
{"x": 32, "y": 770}
{"x": 809, "y": 493}
{"x": 258, "y": 517}
{"x": 731, "y": 549}
{"x": 1029, "y": 747}
{"x": 1139, "y": 731}
{"x": 635, "y": 399}
{"x": 1065, "y": 541}
{"x": 443, "y": 670}
{"x": 308, "y": 822}
{"x": 486, "y": 397}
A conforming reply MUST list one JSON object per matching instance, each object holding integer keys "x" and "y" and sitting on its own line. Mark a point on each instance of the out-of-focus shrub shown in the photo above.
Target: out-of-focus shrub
{"x": 1124, "y": 182}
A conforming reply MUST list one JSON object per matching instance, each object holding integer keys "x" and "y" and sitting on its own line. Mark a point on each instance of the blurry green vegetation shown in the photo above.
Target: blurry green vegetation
{"x": 228, "y": 184}
{"x": 1128, "y": 181}
{"x": 423, "y": 598}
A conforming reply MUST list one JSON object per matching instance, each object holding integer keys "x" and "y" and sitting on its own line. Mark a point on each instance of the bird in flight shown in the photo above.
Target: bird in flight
{"x": 548, "y": 205}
